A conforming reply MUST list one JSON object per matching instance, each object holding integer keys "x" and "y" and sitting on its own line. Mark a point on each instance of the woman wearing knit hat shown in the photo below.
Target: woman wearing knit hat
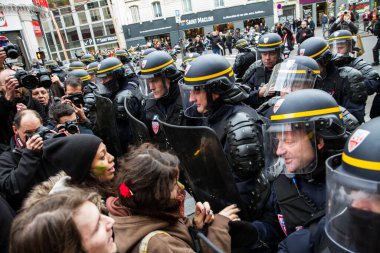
{"x": 85, "y": 161}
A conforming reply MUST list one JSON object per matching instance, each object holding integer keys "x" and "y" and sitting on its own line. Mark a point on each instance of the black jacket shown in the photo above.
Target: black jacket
{"x": 20, "y": 170}
{"x": 308, "y": 34}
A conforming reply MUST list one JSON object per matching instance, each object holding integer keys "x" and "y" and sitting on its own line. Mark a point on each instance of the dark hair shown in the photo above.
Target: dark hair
{"x": 60, "y": 110}
{"x": 20, "y": 115}
{"x": 48, "y": 225}
{"x": 149, "y": 174}
{"x": 74, "y": 82}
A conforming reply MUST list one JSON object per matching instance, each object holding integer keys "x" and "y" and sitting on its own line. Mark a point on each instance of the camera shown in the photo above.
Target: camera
{"x": 70, "y": 126}
{"x": 44, "y": 78}
{"x": 77, "y": 99}
{"x": 12, "y": 51}
{"x": 25, "y": 79}
{"x": 30, "y": 81}
{"x": 44, "y": 132}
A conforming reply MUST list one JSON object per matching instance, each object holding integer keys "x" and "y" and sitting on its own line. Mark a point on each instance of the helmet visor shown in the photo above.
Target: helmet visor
{"x": 153, "y": 86}
{"x": 290, "y": 148}
{"x": 353, "y": 211}
{"x": 194, "y": 100}
{"x": 340, "y": 48}
{"x": 289, "y": 76}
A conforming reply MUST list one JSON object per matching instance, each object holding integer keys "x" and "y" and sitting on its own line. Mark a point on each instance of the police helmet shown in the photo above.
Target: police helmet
{"x": 156, "y": 64}
{"x": 76, "y": 65}
{"x": 270, "y": 42}
{"x": 353, "y": 187}
{"x": 242, "y": 45}
{"x": 51, "y": 63}
{"x": 122, "y": 55}
{"x": 82, "y": 74}
{"x": 92, "y": 67}
{"x": 301, "y": 118}
{"x": 316, "y": 48}
{"x": 188, "y": 58}
{"x": 294, "y": 73}
{"x": 341, "y": 44}
{"x": 87, "y": 58}
{"x": 147, "y": 51}
{"x": 110, "y": 66}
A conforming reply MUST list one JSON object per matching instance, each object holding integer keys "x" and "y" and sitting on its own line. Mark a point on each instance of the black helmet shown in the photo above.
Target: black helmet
{"x": 157, "y": 64}
{"x": 82, "y": 74}
{"x": 300, "y": 118}
{"x": 147, "y": 51}
{"x": 87, "y": 58}
{"x": 122, "y": 55}
{"x": 76, "y": 65}
{"x": 188, "y": 58}
{"x": 353, "y": 186}
{"x": 316, "y": 48}
{"x": 92, "y": 67}
{"x": 341, "y": 44}
{"x": 295, "y": 73}
{"x": 270, "y": 42}
{"x": 110, "y": 66}
{"x": 242, "y": 45}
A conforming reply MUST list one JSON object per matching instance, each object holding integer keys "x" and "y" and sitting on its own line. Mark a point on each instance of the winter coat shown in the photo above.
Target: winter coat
{"x": 130, "y": 230}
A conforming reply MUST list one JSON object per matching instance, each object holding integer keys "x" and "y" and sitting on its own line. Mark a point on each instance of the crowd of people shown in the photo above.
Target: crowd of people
{"x": 274, "y": 150}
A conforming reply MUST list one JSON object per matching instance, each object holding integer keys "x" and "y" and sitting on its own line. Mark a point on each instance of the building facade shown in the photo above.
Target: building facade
{"x": 19, "y": 22}
{"x": 171, "y": 20}
{"x": 84, "y": 26}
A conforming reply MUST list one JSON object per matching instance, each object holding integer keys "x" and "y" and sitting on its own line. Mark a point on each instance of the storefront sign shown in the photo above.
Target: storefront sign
{"x": 3, "y": 21}
{"x": 195, "y": 21}
{"x": 42, "y": 3}
{"x": 106, "y": 39}
{"x": 37, "y": 28}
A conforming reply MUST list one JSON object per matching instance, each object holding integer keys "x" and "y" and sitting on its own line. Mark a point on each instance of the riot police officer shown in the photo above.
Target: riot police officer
{"x": 91, "y": 70}
{"x": 130, "y": 73}
{"x": 76, "y": 65}
{"x": 120, "y": 90}
{"x": 53, "y": 67}
{"x": 304, "y": 130}
{"x": 159, "y": 87}
{"x": 209, "y": 87}
{"x": 342, "y": 45}
{"x": 258, "y": 74}
{"x": 345, "y": 84}
{"x": 245, "y": 58}
{"x": 352, "y": 222}
{"x": 87, "y": 59}
{"x": 187, "y": 59}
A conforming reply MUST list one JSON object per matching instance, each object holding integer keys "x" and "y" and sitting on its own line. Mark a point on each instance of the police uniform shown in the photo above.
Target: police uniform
{"x": 245, "y": 58}
{"x": 237, "y": 125}
{"x": 167, "y": 108}
{"x": 257, "y": 75}
{"x": 345, "y": 84}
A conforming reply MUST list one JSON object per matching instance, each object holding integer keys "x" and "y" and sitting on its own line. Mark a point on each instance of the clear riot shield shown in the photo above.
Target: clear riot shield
{"x": 106, "y": 125}
{"x": 204, "y": 166}
{"x": 139, "y": 130}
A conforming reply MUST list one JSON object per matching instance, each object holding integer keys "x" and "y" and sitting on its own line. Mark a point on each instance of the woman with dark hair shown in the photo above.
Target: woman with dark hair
{"x": 62, "y": 223}
{"x": 85, "y": 162}
{"x": 147, "y": 211}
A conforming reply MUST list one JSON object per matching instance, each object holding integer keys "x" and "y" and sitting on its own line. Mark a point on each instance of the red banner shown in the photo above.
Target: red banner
{"x": 42, "y": 3}
{"x": 37, "y": 28}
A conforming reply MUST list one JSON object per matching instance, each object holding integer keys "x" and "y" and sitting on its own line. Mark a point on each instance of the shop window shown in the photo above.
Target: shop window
{"x": 157, "y": 9}
{"x": 69, "y": 21}
{"x": 187, "y": 5}
{"x": 219, "y": 3}
{"x": 79, "y": 7}
{"x": 50, "y": 41}
{"x": 86, "y": 34}
{"x": 103, "y": 3}
{"x": 57, "y": 40}
{"x": 72, "y": 37}
{"x": 58, "y": 20}
{"x": 65, "y": 10}
{"x": 95, "y": 15}
{"x": 98, "y": 30}
{"x": 106, "y": 13}
{"x": 135, "y": 13}
{"x": 82, "y": 18}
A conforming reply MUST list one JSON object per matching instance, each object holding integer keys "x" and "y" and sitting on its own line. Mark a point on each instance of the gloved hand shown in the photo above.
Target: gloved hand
{"x": 243, "y": 234}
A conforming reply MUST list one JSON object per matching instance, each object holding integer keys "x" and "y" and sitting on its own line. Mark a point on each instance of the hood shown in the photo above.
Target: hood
{"x": 129, "y": 229}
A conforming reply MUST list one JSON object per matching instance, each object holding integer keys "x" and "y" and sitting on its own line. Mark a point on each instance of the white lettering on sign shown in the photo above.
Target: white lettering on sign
{"x": 199, "y": 20}
{"x": 244, "y": 14}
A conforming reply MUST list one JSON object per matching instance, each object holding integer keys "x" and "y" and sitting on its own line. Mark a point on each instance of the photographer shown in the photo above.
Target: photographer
{"x": 344, "y": 22}
{"x": 20, "y": 166}
{"x": 74, "y": 96}
{"x": 67, "y": 120}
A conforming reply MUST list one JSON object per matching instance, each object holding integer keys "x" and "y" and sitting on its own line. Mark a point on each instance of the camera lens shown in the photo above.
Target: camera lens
{"x": 45, "y": 81}
{"x": 11, "y": 51}
{"x": 72, "y": 128}
{"x": 26, "y": 80}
